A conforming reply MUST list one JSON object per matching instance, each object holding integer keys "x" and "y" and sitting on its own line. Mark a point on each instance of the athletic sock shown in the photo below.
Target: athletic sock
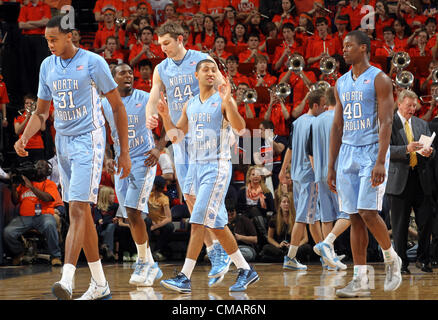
{"x": 239, "y": 261}
{"x": 189, "y": 265}
{"x": 97, "y": 272}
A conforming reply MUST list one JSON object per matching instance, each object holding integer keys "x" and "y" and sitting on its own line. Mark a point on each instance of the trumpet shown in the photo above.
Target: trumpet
{"x": 404, "y": 79}
{"x": 431, "y": 98}
{"x": 281, "y": 90}
{"x": 401, "y": 60}
{"x": 323, "y": 8}
{"x": 249, "y": 96}
{"x": 319, "y": 85}
{"x": 327, "y": 65}
{"x": 30, "y": 110}
{"x": 120, "y": 21}
{"x": 295, "y": 63}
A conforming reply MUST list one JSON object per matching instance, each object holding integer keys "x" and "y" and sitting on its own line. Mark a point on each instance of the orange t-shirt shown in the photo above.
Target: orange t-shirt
{"x": 28, "y": 199}
{"x": 100, "y": 4}
{"x": 103, "y": 33}
{"x": 34, "y": 13}
{"x": 213, "y": 6}
{"x": 36, "y": 142}
{"x": 130, "y": 7}
{"x": 3, "y": 93}
{"x": 245, "y": 6}
{"x": 145, "y": 85}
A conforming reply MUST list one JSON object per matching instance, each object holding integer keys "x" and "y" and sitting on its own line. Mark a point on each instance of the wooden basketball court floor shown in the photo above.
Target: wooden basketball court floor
{"x": 34, "y": 283}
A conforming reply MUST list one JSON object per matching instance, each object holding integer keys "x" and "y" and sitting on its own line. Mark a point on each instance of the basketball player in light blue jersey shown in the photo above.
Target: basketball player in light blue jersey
{"x": 333, "y": 221}
{"x": 73, "y": 78}
{"x": 133, "y": 192}
{"x": 207, "y": 118}
{"x": 176, "y": 77}
{"x": 360, "y": 135}
{"x": 302, "y": 175}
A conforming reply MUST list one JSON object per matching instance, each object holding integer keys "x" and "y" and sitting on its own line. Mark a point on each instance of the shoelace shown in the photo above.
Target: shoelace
{"x": 92, "y": 288}
{"x": 389, "y": 267}
{"x": 218, "y": 256}
{"x": 139, "y": 268}
{"x": 241, "y": 277}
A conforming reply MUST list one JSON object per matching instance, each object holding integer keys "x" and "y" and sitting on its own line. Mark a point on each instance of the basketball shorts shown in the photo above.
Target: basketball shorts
{"x": 305, "y": 200}
{"x": 353, "y": 178}
{"x": 210, "y": 182}
{"x": 80, "y": 161}
{"x": 328, "y": 206}
{"x": 134, "y": 190}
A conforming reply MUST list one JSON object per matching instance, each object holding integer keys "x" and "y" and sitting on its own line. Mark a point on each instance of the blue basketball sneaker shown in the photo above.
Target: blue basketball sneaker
{"x": 293, "y": 264}
{"x": 213, "y": 282}
{"x": 220, "y": 262}
{"x": 180, "y": 283}
{"x": 244, "y": 279}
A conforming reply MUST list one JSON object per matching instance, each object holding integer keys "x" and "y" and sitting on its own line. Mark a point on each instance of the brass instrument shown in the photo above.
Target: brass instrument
{"x": 250, "y": 96}
{"x": 295, "y": 63}
{"x": 404, "y": 79}
{"x": 29, "y": 109}
{"x": 281, "y": 90}
{"x": 429, "y": 98}
{"x": 401, "y": 60}
{"x": 435, "y": 76}
{"x": 319, "y": 85}
{"x": 120, "y": 21}
{"x": 327, "y": 65}
{"x": 323, "y": 8}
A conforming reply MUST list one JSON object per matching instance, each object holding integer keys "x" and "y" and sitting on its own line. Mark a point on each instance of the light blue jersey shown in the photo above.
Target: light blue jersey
{"x": 179, "y": 80}
{"x": 209, "y": 132}
{"x": 140, "y": 137}
{"x": 359, "y": 105}
{"x": 321, "y": 127}
{"x": 74, "y": 87}
{"x": 301, "y": 168}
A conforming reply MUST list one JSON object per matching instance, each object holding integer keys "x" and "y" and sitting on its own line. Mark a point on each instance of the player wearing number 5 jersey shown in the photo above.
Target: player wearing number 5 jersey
{"x": 176, "y": 77}
{"x": 360, "y": 135}
{"x": 133, "y": 192}
{"x": 73, "y": 78}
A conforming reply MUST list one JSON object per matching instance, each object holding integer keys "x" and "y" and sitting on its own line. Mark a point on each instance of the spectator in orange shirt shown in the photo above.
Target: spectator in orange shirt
{"x": 287, "y": 15}
{"x": 353, "y": 10}
{"x": 109, "y": 28}
{"x": 279, "y": 112}
{"x": 343, "y": 26}
{"x": 249, "y": 55}
{"x": 33, "y": 46}
{"x": 101, "y": 6}
{"x": 321, "y": 44}
{"x": 111, "y": 52}
{"x": 246, "y": 110}
{"x": 143, "y": 11}
{"x": 389, "y": 47}
{"x": 402, "y": 32}
{"x": 426, "y": 83}
{"x": 37, "y": 199}
{"x": 304, "y": 30}
{"x": 232, "y": 67}
{"x": 146, "y": 49}
{"x": 254, "y": 24}
{"x": 205, "y": 39}
{"x": 382, "y": 18}
{"x": 145, "y": 81}
{"x": 4, "y": 99}
{"x": 420, "y": 48}
{"x": 137, "y": 25}
{"x": 133, "y": 9}
{"x": 270, "y": 32}
{"x": 287, "y": 48}
{"x": 76, "y": 39}
{"x": 227, "y": 25}
{"x": 188, "y": 39}
{"x": 219, "y": 49}
{"x": 240, "y": 37}
{"x": 262, "y": 77}
{"x": 35, "y": 146}
{"x": 214, "y": 8}
{"x": 169, "y": 13}
{"x": 429, "y": 109}
{"x": 188, "y": 9}
{"x": 413, "y": 19}
{"x": 196, "y": 25}
{"x": 431, "y": 32}
{"x": 245, "y": 7}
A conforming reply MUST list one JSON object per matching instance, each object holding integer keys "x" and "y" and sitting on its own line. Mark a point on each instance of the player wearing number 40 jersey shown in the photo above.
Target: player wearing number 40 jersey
{"x": 176, "y": 77}
{"x": 73, "y": 79}
{"x": 133, "y": 192}
{"x": 360, "y": 134}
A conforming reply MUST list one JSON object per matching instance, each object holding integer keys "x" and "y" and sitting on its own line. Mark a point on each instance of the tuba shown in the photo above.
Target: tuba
{"x": 404, "y": 79}
{"x": 250, "y": 96}
{"x": 401, "y": 60}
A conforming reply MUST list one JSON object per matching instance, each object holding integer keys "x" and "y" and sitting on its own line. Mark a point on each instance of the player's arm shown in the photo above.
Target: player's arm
{"x": 35, "y": 124}
{"x": 335, "y": 142}
{"x": 229, "y": 108}
{"x": 385, "y": 103}
{"x": 175, "y": 133}
{"x": 121, "y": 122}
{"x": 154, "y": 98}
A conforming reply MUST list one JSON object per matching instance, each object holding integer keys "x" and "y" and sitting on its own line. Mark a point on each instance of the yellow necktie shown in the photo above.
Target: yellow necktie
{"x": 410, "y": 136}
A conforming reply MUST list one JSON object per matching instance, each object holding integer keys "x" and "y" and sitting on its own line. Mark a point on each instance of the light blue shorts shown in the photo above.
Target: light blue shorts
{"x": 328, "y": 206}
{"x": 209, "y": 181}
{"x": 353, "y": 178}
{"x": 134, "y": 190}
{"x": 305, "y": 200}
{"x": 80, "y": 160}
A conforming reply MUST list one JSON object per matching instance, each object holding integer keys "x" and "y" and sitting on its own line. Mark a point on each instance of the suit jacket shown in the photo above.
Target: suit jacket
{"x": 399, "y": 162}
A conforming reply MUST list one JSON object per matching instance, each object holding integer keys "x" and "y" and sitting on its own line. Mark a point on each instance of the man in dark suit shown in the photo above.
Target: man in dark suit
{"x": 410, "y": 181}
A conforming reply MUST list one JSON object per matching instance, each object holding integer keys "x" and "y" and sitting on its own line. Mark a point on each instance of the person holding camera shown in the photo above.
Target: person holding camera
{"x": 37, "y": 197}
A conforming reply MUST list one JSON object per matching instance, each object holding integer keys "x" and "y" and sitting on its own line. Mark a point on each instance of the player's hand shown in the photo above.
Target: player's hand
{"x": 124, "y": 165}
{"x": 152, "y": 157}
{"x": 152, "y": 122}
{"x": 162, "y": 106}
{"x": 19, "y": 146}
{"x": 331, "y": 180}
{"x": 378, "y": 175}
{"x": 225, "y": 90}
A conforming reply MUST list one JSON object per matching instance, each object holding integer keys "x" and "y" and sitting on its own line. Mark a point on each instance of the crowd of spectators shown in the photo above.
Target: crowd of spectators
{"x": 253, "y": 42}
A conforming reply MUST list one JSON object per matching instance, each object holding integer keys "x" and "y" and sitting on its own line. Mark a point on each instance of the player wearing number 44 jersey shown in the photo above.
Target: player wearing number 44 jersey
{"x": 133, "y": 192}
{"x": 73, "y": 78}
{"x": 176, "y": 77}
{"x": 360, "y": 135}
